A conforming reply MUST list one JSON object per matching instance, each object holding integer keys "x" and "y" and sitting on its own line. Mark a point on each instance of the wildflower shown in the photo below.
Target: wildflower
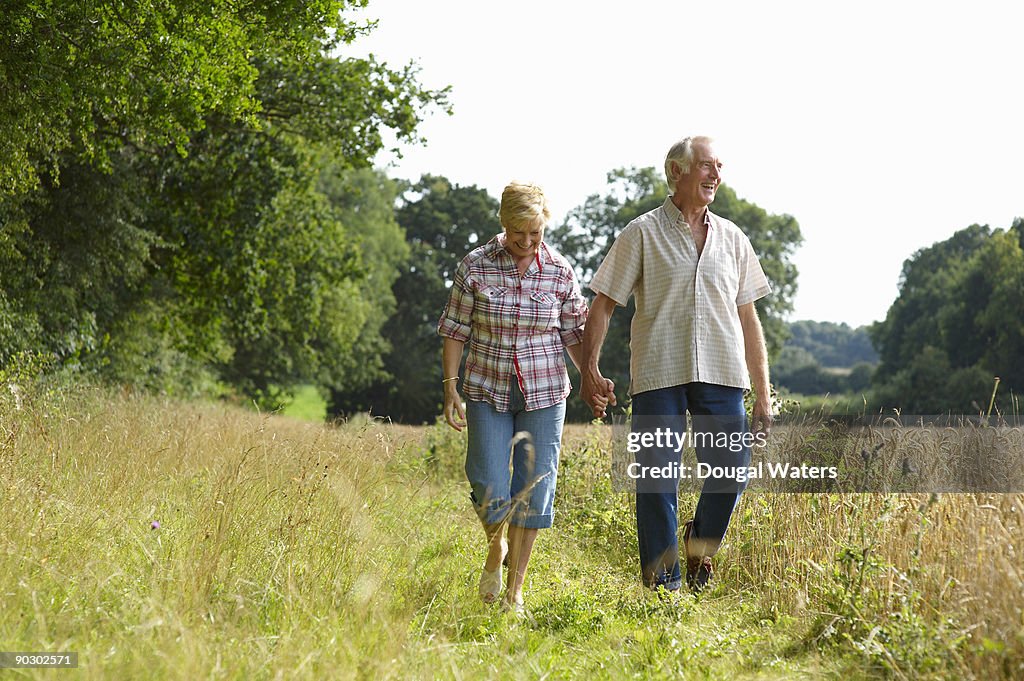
{"x": 155, "y": 525}
{"x": 16, "y": 391}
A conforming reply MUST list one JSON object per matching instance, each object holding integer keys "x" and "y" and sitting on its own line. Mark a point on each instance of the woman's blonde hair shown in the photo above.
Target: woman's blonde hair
{"x": 523, "y": 204}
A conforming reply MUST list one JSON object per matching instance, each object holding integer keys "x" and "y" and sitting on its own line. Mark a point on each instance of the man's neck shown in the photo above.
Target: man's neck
{"x": 693, "y": 215}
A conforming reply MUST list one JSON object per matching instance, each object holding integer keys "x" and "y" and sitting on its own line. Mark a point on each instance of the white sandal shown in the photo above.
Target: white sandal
{"x": 490, "y": 584}
{"x": 516, "y": 607}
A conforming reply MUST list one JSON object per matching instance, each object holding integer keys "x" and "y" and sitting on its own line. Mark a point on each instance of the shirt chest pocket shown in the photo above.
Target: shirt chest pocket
{"x": 543, "y": 309}
{"x": 493, "y": 292}
{"x": 493, "y": 304}
{"x": 727, "y": 274}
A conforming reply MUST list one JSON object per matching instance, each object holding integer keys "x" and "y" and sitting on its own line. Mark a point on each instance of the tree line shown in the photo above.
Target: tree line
{"x": 185, "y": 192}
{"x": 820, "y": 358}
{"x": 188, "y": 205}
{"x": 956, "y": 327}
{"x": 952, "y": 342}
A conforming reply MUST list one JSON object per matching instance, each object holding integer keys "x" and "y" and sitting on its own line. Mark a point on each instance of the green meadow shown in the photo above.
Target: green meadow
{"x": 160, "y": 539}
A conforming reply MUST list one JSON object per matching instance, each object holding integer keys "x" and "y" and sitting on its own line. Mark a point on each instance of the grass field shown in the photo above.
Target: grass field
{"x": 307, "y": 404}
{"x": 166, "y": 540}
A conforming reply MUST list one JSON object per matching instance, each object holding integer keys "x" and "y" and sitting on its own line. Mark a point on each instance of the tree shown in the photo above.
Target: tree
{"x": 955, "y": 326}
{"x": 775, "y": 239}
{"x": 589, "y": 229}
{"x": 927, "y": 280}
{"x": 188, "y": 142}
{"x": 70, "y": 259}
{"x": 365, "y": 201}
{"x": 859, "y": 378}
{"x": 832, "y": 345}
{"x": 929, "y": 384}
{"x": 442, "y": 223}
{"x": 79, "y": 81}
{"x": 584, "y": 238}
{"x": 999, "y": 321}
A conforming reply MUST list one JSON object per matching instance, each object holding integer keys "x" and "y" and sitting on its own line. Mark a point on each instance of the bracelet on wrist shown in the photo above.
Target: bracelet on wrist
{"x": 453, "y": 378}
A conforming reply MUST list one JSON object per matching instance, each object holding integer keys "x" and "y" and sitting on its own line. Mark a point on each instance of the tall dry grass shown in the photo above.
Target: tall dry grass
{"x": 912, "y": 583}
{"x": 293, "y": 550}
{"x": 168, "y": 540}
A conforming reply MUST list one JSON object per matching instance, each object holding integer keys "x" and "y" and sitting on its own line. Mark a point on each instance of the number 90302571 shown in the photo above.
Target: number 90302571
{"x": 29, "y": 660}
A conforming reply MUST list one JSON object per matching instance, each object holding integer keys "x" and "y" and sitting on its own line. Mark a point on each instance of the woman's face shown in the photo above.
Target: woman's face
{"x": 523, "y": 240}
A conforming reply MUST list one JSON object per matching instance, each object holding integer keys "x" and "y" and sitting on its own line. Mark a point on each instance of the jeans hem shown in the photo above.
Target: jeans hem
{"x": 674, "y": 585}
{"x": 533, "y": 522}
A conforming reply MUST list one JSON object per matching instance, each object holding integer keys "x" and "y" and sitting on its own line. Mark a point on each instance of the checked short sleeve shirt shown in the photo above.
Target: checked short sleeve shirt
{"x": 687, "y": 327}
{"x": 516, "y": 325}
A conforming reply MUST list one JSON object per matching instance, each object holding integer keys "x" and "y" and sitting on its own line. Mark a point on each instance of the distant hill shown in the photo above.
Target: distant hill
{"x": 824, "y": 357}
{"x": 831, "y": 344}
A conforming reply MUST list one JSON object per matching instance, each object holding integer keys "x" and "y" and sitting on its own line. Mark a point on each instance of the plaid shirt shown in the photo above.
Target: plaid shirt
{"x": 516, "y": 325}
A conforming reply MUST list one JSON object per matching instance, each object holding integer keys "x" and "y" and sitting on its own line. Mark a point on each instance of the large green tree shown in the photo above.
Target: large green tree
{"x": 927, "y": 280}
{"x": 955, "y": 326}
{"x": 365, "y": 200}
{"x": 84, "y": 79}
{"x": 164, "y": 205}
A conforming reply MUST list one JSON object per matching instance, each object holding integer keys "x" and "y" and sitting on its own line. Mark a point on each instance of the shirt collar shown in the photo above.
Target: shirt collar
{"x": 676, "y": 215}
{"x": 543, "y": 256}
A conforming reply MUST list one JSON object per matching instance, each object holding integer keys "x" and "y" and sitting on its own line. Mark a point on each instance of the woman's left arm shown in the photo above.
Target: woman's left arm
{"x": 576, "y": 355}
{"x": 572, "y": 318}
{"x": 572, "y": 321}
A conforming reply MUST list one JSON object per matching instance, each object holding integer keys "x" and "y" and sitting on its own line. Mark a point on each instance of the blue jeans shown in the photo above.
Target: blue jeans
{"x": 657, "y": 521}
{"x": 527, "y": 493}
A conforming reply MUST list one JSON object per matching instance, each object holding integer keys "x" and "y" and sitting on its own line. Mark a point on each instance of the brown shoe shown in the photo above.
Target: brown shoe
{"x": 699, "y": 569}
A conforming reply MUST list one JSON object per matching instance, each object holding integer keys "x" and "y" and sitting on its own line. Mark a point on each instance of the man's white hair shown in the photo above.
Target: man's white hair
{"x": 680, "y": 158}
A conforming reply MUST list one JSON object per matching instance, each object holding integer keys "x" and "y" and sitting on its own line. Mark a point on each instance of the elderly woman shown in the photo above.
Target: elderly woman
{"x": 517, "y": 303}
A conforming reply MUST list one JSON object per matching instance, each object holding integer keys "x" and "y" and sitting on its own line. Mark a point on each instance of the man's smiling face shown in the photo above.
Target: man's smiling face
{"x": 698, "y": 187}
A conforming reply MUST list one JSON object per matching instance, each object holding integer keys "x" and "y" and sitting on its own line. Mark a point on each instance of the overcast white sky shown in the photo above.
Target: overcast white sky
{"x": 883, "y": 127}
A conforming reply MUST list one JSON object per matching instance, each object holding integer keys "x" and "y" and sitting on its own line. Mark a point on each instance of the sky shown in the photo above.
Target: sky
{"x": 882, "y": 127}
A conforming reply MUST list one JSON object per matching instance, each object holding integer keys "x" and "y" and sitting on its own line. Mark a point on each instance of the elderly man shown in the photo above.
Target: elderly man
{"x": 695, "y": 344}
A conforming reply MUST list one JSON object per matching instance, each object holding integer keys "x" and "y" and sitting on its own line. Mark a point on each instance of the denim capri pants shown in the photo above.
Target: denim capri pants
{"x": 527, "y": 492}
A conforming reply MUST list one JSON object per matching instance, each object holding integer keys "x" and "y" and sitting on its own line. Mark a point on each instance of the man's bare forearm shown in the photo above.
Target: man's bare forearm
{"x": 597, "y": 391}
{"x": 755, "y": 350}
{"x": 597, "y": 328}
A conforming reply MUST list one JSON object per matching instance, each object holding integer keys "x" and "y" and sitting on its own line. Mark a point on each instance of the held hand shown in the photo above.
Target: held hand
{"x": 762, "y": 417}
{"x": 601, "y": 402}
{"x": 454, "y": 414}
{"x": 609, "y": 391}
{"x": 598, "y": 392}
{"x": 589, "y": 391}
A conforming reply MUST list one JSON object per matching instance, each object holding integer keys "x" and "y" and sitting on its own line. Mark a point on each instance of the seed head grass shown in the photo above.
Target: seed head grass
{"x": 161, "y": 539}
